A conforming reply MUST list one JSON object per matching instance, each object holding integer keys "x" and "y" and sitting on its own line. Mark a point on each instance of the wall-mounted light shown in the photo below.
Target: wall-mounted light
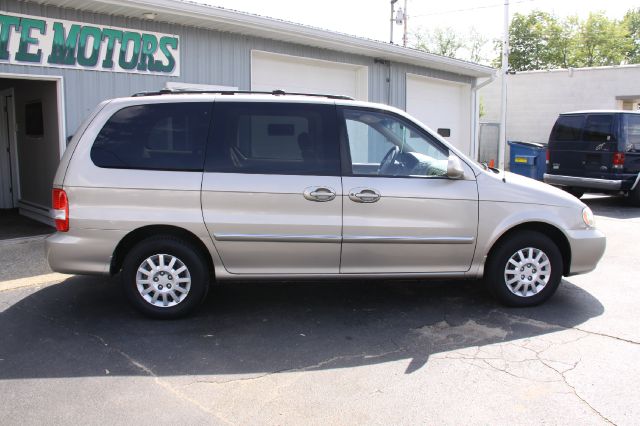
{"x": 149, "y": 15}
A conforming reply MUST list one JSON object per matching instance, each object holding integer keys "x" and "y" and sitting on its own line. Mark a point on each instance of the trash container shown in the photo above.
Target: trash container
{"x": 528, "y": 159}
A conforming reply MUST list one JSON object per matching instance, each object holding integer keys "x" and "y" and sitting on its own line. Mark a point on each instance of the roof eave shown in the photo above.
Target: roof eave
{"x": 206, "y": 16}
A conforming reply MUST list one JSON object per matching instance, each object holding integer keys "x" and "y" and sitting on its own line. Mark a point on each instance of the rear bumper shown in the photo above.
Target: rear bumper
{"x": 587, "y": 248}
{"x": 583, "y": 182}
{"x": 84, "y": 252}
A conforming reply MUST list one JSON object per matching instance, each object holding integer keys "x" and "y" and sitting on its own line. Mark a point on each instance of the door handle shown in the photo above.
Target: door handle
{"x": 319, "y": 193}
{"x": 364, "y": 195}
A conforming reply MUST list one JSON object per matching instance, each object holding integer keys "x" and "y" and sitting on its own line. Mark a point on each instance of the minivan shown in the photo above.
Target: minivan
{"x": 596, "y": 151}
{"x": 174, "y": 191}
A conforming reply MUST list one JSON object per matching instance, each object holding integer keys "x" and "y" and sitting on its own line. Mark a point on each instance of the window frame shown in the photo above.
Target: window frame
{"x": 345, "y": 151}
{"x": 214, "y": 144}
{"x": 205, "y": 144}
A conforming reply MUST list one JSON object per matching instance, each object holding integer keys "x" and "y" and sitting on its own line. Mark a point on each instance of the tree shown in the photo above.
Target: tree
{"x": 602, "y": 41}
{"x": 539, "y": 40}
{"x": 632, "y": 23}
{"x": 446, "y": 42}
{"x": 475, "y": 45}
{"x": 533, "y": 41}
{"x": 441, "y": 41}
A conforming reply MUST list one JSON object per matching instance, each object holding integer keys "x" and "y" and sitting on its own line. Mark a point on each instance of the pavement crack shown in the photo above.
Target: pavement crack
{"x": 563, "y": 375}
{"x": 547, "y": 325}
{"x": 595, "y": 333}
{"x": 317, "y": 365}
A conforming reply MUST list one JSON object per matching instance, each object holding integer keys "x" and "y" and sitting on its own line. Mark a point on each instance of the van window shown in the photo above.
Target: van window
{"x": 632, "y": 132}
{"x": 383, "y": 144}
{"x": 274, "y": 138}
{"x": 169, "y": 136}
{"x": 568, "y": 128}
{"x": 599, "y": 128}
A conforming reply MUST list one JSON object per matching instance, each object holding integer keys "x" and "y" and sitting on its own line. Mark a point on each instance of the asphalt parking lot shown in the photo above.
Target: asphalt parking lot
{"x": 71, "y": 350}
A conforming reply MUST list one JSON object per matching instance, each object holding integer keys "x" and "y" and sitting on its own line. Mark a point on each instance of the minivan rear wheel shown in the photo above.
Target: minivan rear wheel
{"x": 524, "y": 270}
{"x": 165, "y": 277}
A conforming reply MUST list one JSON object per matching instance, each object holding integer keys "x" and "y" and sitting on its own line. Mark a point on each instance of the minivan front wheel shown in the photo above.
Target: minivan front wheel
{"x": 524, "y": 270}
{"x": 164, "y": 277}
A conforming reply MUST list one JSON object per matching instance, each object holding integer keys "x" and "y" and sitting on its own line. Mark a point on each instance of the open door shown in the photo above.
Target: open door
{"x": 9, "y": 184}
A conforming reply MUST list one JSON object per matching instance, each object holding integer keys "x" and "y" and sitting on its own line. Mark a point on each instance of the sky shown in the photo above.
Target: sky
{"x": 370, "y": 18}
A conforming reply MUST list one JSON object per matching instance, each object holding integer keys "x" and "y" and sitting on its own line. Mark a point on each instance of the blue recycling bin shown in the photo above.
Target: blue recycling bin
{"x": 528, "y": 159}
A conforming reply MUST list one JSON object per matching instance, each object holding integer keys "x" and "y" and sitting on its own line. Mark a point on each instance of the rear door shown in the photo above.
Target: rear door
{"x": 271, "y": 191}
{"x": 583, "y": 145}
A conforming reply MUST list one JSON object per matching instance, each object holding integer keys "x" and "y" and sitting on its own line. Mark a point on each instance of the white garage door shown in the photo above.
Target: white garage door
{"x": 271, "y": 71}
{"x": 441, "y": 104}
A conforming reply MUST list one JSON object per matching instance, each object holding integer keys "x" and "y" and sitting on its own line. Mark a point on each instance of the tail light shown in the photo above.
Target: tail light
{"x": 548, "y": 157}
{"x": 618, "y": 160}
{"x": 60, "y": 205}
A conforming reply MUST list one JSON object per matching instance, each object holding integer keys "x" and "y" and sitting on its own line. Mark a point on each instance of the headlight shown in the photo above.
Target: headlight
{"x": 587, "y": 217}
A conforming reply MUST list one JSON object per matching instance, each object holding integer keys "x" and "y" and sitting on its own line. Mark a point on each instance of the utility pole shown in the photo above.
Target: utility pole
{"x": 502, "y": 145}
{"x": 393, "y": 2}
{"x": 405, "y": 18}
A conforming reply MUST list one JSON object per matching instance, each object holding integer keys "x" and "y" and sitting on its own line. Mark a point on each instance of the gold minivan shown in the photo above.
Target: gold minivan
{"x": 173, "y": 191}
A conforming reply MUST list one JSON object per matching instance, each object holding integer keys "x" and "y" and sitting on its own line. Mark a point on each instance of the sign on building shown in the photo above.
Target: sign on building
{"x": 33, "y": 40}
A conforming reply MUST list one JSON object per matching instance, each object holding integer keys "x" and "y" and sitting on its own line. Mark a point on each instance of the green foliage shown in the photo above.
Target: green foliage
{"x": 540, "y": 40}
{"x": 446, "y": 42}
{"x": 632, "y": 23}
{"x": 532, "y": 41}
{"x": 441, "y": 41}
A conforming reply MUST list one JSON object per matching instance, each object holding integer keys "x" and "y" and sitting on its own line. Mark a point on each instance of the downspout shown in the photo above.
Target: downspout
{"x": 476, "y": 113}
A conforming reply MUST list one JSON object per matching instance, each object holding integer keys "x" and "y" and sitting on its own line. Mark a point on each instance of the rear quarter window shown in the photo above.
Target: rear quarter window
{"x": 568, "y": 128}
{"x": 599, "y": 128}
{"x": 169, "y": 136}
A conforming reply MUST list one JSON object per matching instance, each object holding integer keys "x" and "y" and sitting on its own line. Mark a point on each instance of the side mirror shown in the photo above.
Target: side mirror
{"x": 454, "y": 168}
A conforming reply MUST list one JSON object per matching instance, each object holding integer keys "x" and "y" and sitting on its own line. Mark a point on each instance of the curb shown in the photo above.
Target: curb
{"x": 22, "y": 240}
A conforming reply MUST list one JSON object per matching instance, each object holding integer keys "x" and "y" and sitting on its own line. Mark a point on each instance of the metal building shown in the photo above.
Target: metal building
{"x": 60, "y": 58}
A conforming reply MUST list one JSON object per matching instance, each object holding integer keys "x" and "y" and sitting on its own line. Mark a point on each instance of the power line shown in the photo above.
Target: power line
{"x": 444, "y": 12}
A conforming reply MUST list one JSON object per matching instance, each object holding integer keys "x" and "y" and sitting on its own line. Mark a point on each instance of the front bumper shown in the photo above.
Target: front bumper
{"x": 587, "y": 248}
{"x": 583, "y": 182}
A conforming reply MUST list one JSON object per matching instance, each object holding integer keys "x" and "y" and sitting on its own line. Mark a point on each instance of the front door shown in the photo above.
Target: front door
{"x": 271, "y": 191}
{"x": 402, "y": 214}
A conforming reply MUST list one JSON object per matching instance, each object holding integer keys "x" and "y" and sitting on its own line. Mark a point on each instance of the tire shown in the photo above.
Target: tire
{"x": 178, "y": 285}
{"x": 634, "y": 196}
{"x": 524, "y": 292}
{"x": 576, "y": 192}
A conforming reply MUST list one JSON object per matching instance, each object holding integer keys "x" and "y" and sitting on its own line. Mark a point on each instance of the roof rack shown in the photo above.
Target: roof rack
{"x": 239, "y": 92}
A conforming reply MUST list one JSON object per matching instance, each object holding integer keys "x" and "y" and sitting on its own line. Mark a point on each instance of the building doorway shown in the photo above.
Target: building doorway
{"x": 31, "y": 142}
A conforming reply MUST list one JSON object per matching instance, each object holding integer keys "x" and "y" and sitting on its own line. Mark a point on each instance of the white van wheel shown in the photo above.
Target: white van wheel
{"x": 524, "y": 269}
{"x": 165, "y": 277}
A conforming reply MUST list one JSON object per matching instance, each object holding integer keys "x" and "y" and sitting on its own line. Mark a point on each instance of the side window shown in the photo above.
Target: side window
{"x": 599, "y": 128}
{"x": 382, "y": 144}
{"x": 632, "y": 132}
{"x": 169, "y": 136}
{"x": 274, "y": 138}
{"x": 568, "y": 128}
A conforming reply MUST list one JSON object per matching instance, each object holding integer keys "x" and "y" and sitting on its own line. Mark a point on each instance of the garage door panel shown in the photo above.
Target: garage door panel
{"x": 442, "y": 105}
{"x": 270, "y": 71}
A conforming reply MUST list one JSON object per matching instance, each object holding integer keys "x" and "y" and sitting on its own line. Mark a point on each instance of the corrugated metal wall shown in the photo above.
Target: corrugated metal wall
{"x": 206, "y": 57}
